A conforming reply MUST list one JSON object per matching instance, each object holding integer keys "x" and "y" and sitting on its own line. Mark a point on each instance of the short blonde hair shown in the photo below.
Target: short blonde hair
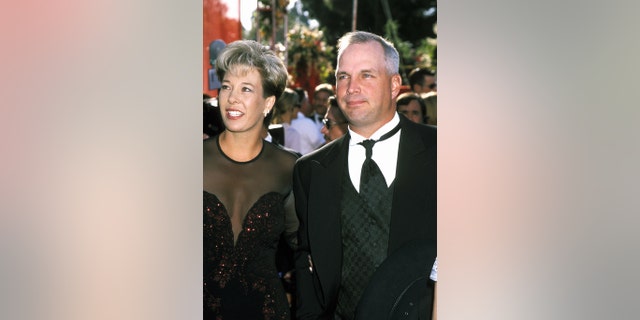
{"x": 249, "y": 54}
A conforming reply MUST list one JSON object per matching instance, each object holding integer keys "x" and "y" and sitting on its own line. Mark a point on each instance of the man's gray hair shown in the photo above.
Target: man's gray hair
{"x": 391, "y": 56}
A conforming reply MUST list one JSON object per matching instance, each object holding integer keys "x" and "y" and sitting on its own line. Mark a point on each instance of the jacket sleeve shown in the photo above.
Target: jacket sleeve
{"x": 308, "y": 305}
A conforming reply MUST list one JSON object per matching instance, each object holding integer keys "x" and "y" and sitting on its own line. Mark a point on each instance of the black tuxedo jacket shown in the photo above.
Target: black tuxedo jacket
{"x": 317, "y": 188}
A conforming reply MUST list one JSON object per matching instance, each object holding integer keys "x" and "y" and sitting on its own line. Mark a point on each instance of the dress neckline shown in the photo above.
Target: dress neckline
{"x": 239, "y": 162}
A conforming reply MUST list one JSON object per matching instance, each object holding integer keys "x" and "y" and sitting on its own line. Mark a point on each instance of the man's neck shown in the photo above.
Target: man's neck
{"x": 377, "y": 129}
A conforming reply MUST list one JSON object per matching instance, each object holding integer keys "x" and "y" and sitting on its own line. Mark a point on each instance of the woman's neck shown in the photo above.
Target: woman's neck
{"x": 242, "y": 146}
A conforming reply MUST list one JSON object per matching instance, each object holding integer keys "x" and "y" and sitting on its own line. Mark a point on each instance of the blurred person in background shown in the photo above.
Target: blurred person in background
{"x": 422, "y": 80}
{"x": 335, "y": 123}
{"x": 411, "y": 105}
{"x": 212, "y": 120}
{"x": 310, "y": 136}
{"x": 285, "y": 111}
{"x": 321, "y": 95}
{"x": 431, "y": 102}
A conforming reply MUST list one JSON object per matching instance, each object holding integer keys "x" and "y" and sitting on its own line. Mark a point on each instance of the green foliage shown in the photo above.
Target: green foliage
{"x": 425, "y": 53}
{"x": 410, "y": 26}
{"x": 422, "y": 55}
{"x": 309, "y": 53}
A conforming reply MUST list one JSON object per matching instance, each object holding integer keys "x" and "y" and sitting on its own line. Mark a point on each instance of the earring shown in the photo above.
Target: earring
{"x": 266, "y": 112}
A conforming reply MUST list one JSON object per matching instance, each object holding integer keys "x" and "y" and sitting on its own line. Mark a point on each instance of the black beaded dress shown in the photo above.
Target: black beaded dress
{"x": 247, "y": 207}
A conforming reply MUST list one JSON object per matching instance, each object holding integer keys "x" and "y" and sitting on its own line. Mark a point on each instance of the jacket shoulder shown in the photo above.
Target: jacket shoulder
{"x": 427, "y": 133}
{"x": 325, "y": 153}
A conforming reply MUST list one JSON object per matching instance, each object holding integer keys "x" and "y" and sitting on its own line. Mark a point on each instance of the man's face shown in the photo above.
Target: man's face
{"x": 364, "y": 89}
{"x": 333, "y": 127}
{"x": 320, "y": 101}
{"x": 429, "y": 85}
{"x": 429, "y": 81}
{"x": 412, "y": 111}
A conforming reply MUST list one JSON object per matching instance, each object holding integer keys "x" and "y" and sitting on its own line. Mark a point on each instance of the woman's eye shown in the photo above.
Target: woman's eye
{"x": 224, "y": 87}
{"x": 245, "y": 89}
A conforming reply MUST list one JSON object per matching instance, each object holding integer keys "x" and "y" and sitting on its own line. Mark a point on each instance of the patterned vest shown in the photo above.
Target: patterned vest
{"x": 365, "y": 238}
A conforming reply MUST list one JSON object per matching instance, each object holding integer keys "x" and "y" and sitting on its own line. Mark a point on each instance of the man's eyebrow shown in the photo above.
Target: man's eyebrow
{"x": 368, "y": 71}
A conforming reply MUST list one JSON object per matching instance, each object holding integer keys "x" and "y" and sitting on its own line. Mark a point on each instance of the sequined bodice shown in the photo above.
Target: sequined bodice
{"x": 259, "y": 236}
{"x": 248, "y": 266}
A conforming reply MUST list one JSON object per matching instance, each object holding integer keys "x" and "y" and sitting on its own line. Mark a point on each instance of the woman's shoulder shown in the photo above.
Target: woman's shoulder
{"x": 210, "y": 146}
{"x": 281, "y": 152}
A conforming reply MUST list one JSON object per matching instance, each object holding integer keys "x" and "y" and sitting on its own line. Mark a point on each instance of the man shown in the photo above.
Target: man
{"x": 310, "y": 136}
{"x": 422, "y": 80}
{"x": 321, "y": 95}
{"x": 344, "y": 233}
{"x": 335, "y": 123}
{"x": 411, "y": 105}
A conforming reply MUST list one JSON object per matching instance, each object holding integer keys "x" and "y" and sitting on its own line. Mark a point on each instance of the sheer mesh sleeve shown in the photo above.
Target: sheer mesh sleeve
{"x": 291, "y": 222}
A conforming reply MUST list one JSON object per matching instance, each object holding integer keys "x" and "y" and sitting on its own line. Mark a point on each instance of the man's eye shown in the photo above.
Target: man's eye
{"x": 342, "y": 77}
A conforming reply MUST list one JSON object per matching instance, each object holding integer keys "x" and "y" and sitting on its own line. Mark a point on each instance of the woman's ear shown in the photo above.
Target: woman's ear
{"x": 271, "y": 100}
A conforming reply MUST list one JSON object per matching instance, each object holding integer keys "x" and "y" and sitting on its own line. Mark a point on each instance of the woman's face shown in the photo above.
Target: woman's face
{"x": 241, "y": 100}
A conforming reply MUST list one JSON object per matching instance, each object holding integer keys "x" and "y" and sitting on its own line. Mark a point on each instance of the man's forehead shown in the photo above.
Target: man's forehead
{"x": 362, "y": 54}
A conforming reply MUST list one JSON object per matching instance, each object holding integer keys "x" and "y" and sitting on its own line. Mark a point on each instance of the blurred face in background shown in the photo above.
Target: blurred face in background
{"x": 412, "y": 111}
{"x": 291, "y": 114}
{"x": 320, "y": 101}
{"x": 305, "y": 107}
{"x": 429, "y": 84}
{"x": 335, "y": 124}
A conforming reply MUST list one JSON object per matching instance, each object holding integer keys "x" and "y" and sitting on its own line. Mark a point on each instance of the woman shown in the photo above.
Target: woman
{"x": 284, "y": 112}
{"x": 248, "y": 203}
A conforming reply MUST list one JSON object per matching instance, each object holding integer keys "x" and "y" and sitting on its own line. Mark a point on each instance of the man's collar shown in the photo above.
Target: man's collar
{"x": 356, "y": 138}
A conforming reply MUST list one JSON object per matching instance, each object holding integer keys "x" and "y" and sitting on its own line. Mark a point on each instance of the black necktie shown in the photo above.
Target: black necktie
{"x": 372, "y": 182}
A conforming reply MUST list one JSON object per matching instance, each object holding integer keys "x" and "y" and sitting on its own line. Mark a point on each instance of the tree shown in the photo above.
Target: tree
{"x": 413, "y": 21}
{"x": 417, "y": 17}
